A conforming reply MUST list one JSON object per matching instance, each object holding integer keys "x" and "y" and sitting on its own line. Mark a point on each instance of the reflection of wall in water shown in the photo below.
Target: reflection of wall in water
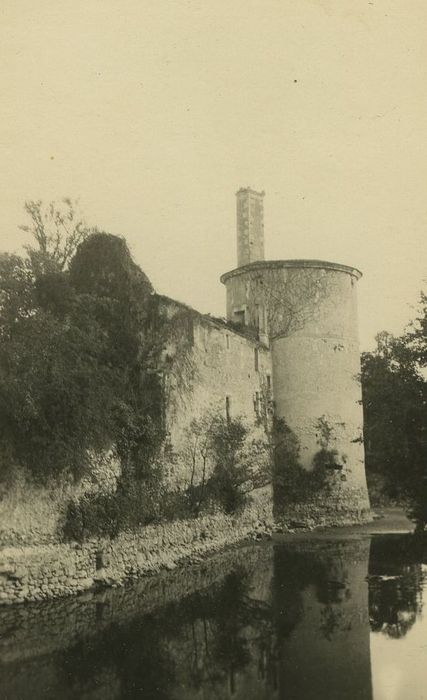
{"x": 216, "y": 638}
{"x": 229, "y": 652}
{"x": 323, "y": 621}
{"x": 243, "y": 626}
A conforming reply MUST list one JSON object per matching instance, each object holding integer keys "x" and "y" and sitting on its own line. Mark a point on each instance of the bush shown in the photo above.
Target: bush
{"x": 232, "y": 473}
{"x": 94, "y": 515}
{"x": 138, "y": 501}
{"x": 298, "y": 485}
{"x": 135, "y": 502}
{"x": 225, "y": 489}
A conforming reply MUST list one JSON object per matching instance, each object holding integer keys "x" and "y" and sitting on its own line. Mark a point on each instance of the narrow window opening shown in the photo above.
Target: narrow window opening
{"x": 228, "y": 408}
{"x": 257, "y": 318}
{"x": 269, "y": 382}
{"x": 240, "y": 317}
{"x": 257, "y": 404}
{"x": 260, "y": 318}
{"x": 256, "y": 359}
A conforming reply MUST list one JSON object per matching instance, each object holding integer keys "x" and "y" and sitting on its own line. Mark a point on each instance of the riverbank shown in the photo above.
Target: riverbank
{"x": 37, "y": 573}
{"x": 385, "y": 521}
{"x": 317, "y": 601}
{"x": 45, "y": 572}
{"x": 39, "y": 628}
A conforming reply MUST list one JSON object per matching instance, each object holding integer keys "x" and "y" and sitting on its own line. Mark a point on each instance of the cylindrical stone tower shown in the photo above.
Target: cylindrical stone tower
{"x": 306, "y": 310}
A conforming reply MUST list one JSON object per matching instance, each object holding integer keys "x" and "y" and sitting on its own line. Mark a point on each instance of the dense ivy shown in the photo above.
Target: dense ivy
{"x": 73, "y": 362}
{"x": 292, "y": 483}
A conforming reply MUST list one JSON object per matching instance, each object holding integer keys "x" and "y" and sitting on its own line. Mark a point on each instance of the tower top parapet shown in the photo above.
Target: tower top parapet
{"x": 296, "y": 264}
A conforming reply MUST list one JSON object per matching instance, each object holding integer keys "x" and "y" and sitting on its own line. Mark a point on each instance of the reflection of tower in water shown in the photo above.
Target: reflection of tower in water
{"x": 286, "y": 622}
{"x": 321, "y": 611}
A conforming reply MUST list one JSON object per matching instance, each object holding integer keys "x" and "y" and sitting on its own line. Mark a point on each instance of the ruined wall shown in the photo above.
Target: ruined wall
{"x": 208, "y": 369}
{"x": 31, "y": 512}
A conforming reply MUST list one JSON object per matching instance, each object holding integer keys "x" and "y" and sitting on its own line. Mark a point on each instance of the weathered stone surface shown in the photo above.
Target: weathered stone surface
{"x": 311, "y": 321}
{"x": 297, "y": 353}
{"x": 126, "y": 556}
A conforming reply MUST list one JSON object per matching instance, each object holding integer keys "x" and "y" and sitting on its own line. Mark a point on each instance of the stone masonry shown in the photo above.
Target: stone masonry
{"x": 288, "y": 349}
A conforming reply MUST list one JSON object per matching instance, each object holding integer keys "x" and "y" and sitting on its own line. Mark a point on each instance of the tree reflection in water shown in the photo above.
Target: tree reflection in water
{"x": 292, "y": 621}
{"x": 318, "y": 565}
{"x": 395, "y": 583}
{"x": 204, "y": 641}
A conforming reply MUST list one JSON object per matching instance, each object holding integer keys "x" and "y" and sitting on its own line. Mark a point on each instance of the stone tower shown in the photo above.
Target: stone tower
{"x": 250, "y": 226}
{"x": 306, "y": 311}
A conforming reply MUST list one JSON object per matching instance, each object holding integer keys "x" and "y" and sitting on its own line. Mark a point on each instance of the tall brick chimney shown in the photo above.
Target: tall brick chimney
{"x": 250, "y": 226}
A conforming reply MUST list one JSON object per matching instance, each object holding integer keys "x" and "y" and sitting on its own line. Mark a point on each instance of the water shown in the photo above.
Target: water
{"x": 309, "y": 618}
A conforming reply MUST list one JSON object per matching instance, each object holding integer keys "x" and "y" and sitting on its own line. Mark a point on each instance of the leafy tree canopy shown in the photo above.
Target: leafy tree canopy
{"x": 57, "y": 229}
{"x": 73, "y": 326}
{"x": 395, "y": 411}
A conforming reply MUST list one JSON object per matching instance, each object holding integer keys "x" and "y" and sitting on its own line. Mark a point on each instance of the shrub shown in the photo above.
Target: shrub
{"x": 231, "y": 477}
{"x": 225, "y": 489}
{"x": 137, "y": 501}
{"x": 93, "y": 515}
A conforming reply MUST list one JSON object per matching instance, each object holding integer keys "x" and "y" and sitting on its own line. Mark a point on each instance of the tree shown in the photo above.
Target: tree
{"x": 416, "y": 336}
{"x": 58, "y": 229}
{"x": 395, "y": 413}
{"x": 73, "y": 374}
{"x": 56, "y": 394}
{"x": 17, "y": 292}
{"x": 103, "y": 269}
{"x": 231, "y": 475}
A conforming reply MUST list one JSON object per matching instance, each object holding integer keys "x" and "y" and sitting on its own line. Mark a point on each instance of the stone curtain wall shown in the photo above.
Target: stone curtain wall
{"x": 205, "y": 366}
{"x": 201, "y": 362}
{"x": 31, "y": 513}
{"x": 51, "y": 571}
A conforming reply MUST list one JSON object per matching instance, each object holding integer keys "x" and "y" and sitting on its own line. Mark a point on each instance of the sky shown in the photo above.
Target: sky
{"x": 153, "y": 113}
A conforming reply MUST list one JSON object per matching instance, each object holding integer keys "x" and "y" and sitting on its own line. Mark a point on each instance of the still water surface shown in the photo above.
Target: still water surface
{"x": 301, "y": 620}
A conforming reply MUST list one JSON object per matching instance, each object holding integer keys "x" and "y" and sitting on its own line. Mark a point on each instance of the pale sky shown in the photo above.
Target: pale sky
{"x": 154, "y": 113}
